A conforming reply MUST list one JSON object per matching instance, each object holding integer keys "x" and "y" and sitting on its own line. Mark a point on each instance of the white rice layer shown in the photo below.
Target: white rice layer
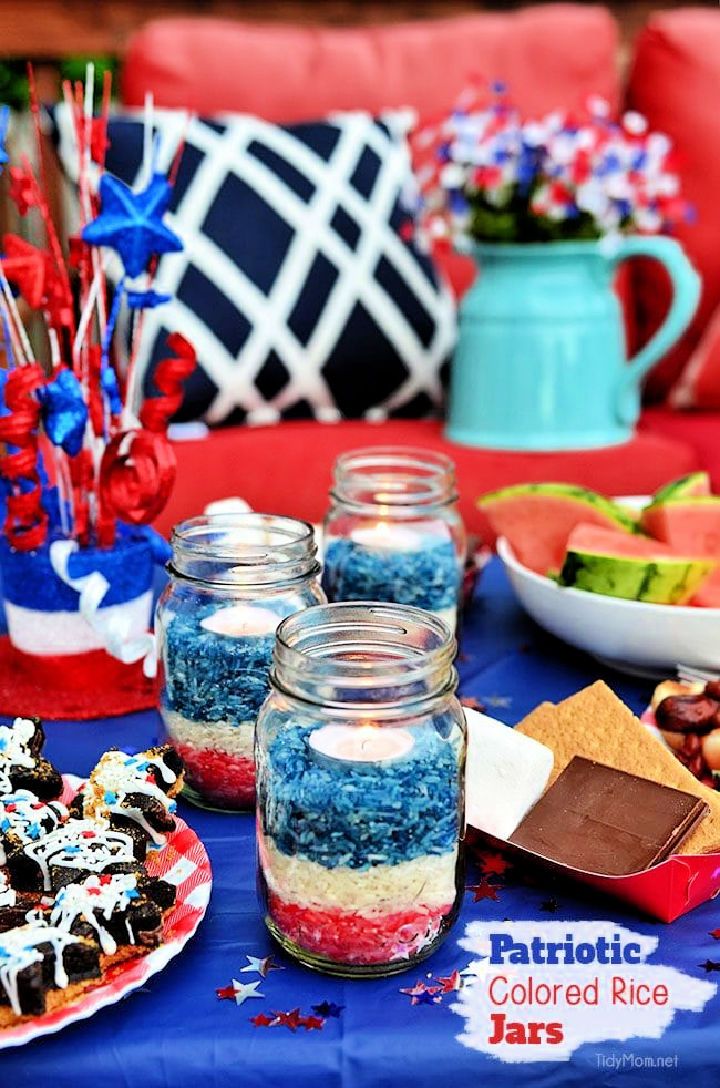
{"x": 383, "y": 889}
{"x": 221, "y": 736}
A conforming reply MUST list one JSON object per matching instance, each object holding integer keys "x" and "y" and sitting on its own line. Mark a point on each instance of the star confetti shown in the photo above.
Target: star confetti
{"x": 422, "y": 994}
{"x": 263, "y": 965}
{"x": 710, "y": 965}
{"x": 715, "y": 934}
{"x": 483, "y": 890}
{"x": 312, "y": 1023}
{"x": 450, "y": 983}
{"x": 290, "y": 1019}
{"x": 262, "y": 1020}
{"x": 328, "y": 1008}
{"x": 239, "y": 992}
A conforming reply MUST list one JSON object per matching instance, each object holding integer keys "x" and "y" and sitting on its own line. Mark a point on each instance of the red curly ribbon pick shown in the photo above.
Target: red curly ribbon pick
{"x": 26, "y": 521}
{"x": 169, "y": 376}
{"x": 137, "y": 473}
{"x": 82, "y": 479}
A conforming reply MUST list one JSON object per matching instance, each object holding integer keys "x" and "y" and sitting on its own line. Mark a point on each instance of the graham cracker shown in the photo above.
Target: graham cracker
{"x": 595, "y": 724}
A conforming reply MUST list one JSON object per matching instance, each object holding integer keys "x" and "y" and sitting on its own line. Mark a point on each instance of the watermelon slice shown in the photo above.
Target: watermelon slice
{"x": 690, "y": 525}
{"x": 695, "y": 483}
{"x": 537, "y": 519}
{"x": 615, "y": 564}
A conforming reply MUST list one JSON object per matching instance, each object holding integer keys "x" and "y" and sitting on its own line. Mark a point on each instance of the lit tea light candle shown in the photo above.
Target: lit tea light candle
{"x": 384, "y": 536}
{"x": 242, "y": 621}
{"x": 361, "y": 743}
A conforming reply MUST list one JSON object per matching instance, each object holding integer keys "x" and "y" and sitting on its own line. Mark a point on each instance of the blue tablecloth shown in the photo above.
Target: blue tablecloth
{"x": 176, "y": 1031}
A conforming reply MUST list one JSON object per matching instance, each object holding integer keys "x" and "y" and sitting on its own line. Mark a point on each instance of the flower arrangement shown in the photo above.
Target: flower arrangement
{"x": 487, "y": 174}
{"x": 85, "y": 464}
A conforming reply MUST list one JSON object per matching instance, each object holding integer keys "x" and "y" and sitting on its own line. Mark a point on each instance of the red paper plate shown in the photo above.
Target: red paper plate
{"x": 183, "y": 861}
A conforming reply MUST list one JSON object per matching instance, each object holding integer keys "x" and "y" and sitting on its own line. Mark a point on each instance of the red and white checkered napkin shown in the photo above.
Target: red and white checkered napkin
{"x": 183, "y": 861}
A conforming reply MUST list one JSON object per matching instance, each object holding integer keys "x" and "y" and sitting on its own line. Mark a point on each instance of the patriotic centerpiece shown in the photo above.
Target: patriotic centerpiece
{"x": 85, "y": 463}
{"x": 549, "y": 207}
{"x": 488, "y": 174}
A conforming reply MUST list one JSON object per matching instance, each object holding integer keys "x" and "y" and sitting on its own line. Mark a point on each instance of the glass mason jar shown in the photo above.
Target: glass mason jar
{"x": 393, "y": 532}
{"x": 360, "y": 752}
{"x": 233, "y": 578}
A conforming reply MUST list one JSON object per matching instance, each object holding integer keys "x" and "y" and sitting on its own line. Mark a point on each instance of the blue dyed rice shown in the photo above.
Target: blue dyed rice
{"x": 428, "y": 578}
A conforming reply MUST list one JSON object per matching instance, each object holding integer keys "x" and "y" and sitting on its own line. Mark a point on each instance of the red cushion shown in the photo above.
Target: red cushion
{"x": 286, "y": 469}
{"x": 674, "y": 81}
{"x": 701, "y": 430}
{"x": 552, "y": 55}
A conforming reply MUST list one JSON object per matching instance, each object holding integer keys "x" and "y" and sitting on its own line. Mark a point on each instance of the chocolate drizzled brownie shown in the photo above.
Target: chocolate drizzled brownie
{"x": 22, "y": 765}
{"x": 74, "y": 894}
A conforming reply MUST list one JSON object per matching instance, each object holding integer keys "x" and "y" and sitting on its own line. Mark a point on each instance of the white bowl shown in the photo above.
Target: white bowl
{"x": 645, "y": 639}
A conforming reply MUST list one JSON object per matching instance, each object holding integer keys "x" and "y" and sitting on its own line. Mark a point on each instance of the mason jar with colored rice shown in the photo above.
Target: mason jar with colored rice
{"x": 360, "y": 752}
{"x": 233, "y": 579}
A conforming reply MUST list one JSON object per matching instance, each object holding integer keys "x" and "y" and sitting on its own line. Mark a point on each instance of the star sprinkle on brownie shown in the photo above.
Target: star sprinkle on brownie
{"x": 135, "y": 793}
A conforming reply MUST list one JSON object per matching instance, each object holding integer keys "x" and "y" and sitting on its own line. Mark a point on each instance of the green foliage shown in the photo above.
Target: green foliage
{"x": 513, "y": 221}
{"x": 14, "y": 80}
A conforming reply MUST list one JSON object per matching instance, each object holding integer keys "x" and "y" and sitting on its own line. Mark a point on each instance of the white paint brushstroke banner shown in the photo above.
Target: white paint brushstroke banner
{"x": 581, "y": 1023}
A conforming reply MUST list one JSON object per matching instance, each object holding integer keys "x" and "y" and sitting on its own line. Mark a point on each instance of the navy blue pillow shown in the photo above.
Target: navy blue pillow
{"x": 297, "y": 286}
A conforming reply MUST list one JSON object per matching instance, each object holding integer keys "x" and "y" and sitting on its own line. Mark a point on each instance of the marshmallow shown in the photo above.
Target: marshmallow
{"x": 505, "y": 776}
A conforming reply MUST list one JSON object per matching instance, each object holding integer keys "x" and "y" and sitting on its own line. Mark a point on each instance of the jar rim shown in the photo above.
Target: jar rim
{"x": 374, "y": 653}
{"x": 395, "y": 478}
{"x": 244, "y": 548}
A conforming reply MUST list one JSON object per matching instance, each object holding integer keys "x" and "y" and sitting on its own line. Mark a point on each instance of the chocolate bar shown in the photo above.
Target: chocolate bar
{"x": 22, "y": 766}
{"x": 601, "y": 820}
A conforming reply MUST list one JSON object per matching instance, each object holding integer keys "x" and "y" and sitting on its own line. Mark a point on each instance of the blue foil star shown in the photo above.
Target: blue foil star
{"x": 64, "y": 412}
{"x": 131, "y": 223}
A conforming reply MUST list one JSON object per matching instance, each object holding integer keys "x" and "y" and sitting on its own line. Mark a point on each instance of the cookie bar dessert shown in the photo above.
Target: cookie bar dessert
{"x": 75, "y": 897}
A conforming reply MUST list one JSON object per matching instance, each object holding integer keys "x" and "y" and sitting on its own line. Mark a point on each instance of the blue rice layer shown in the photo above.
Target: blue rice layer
{"x": 210, "y": 677}
{"x": 428, "y": 578}
{"x": 358, "y": 815}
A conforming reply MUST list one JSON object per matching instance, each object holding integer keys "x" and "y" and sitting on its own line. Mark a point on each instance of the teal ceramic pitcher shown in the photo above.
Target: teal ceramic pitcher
{"x": 540, "y": 362}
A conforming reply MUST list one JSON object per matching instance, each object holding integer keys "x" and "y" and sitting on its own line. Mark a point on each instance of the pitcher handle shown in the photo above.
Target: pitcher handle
{"x": 686, "y": 285}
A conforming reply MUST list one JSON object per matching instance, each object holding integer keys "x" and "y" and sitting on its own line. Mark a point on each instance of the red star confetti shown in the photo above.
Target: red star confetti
{"x": 263, "y": 965}
{"x": 715, "y": 934}
{"x": 226, "y": 993}
{"x": 450, "y": 983}
{"x": 483, "y": 890}
{"x": 290, "y": 1019}
{"x": 262, "y": 1020}
{"x": 311, "y": 1023}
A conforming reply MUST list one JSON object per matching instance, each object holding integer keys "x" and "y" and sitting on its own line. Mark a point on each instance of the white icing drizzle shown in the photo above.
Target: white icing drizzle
{"x": 5, "y": 783}
{"x": 80, "y": 844}
{"x": 94, "y": 896}
{"x": 22, "y": 813}
{"x": 8, "y": 895}
{"x": 18, "y": 950}
{"x": 15, "y": 741}
{"x": 117, "y": 775}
